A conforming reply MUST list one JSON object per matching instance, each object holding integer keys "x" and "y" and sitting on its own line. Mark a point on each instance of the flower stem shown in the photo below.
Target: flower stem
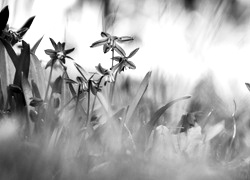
{"x": 77, "y": 98}
{"x": 47, "y": 89}
{"x": 113, "y": 54}
{"x": 88, "y": 103}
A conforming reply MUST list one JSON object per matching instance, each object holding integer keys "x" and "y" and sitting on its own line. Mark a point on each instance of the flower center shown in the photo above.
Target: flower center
{"x": 60, "y": 55}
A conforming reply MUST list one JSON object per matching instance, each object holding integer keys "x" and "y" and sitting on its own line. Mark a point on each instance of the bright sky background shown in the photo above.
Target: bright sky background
{"x": 177, "y": 42}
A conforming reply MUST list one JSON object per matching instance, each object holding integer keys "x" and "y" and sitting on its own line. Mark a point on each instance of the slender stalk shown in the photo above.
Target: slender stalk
{"x": 65, "y": 106}
{"x": 77, "y": 98}
{"x": 93, "y": 104}
{"x": 88, "y": 103}
{"x": 113, "y": 54}
{"x": 113, "y": 88}
{"x": 47, "y": 89}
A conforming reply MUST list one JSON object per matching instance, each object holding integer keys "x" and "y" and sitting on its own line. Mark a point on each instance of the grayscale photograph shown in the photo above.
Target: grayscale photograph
{"x": 124, "y": 89}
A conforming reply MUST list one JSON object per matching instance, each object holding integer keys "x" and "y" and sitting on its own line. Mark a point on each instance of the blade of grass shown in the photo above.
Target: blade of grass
{"x": 142, "y": 89}
{"x": 34, "y": 48}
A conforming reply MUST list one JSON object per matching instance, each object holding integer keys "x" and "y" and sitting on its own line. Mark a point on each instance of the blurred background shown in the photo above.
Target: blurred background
{"x": 179, "y": 37}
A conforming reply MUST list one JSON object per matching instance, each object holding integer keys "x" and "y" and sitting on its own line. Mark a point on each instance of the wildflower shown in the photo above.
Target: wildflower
{"x": 9, "y": 35}
{"x": 124, "y": 62}
{"x": 110, "y": 42}
{"x": 108, "y": 75}
{"x": 59, "y": 53}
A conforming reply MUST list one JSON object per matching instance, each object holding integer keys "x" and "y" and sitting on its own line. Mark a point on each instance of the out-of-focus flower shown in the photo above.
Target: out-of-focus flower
{"x": 124, "y": 62}
{"x": 110, "y": 42}
{"x": 58, "y": 53}
{"x": 108, "y": 75}
{"x": 8, "y": 34}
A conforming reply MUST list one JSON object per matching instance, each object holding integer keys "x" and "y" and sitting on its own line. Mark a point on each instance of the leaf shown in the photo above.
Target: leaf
{"x": 119, "y": 50}
{"x": 214, "y": 130}
{"x": 23, "y": 65}
{"x": 57, "y": 85}
{"x": 11, "y": 52}
{"x": 160, "y": 111}
{"x": 37, "y": 74}
{"x": 35, "y": 89}
{"x": 27, "y": 92}
{"x": 100, "y": 42}
{"x": 142, "y": 89}
{"x": 26, "y": 26}
{"x": 133, "y": 53}
{"x": 1, "y": 96}
{"x": 34, "y": 48}
{"x": 7, "y": 68}
{"x": 4, "y": 16}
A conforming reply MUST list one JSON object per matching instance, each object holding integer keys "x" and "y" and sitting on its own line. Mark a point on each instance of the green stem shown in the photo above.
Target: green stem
{"x": 65, "y": 106}
{"x": 113, "y": 54}
{"x": 88, "y": 103}
{"x": 47, "y": 89}
{"x": 93, "y": 104}
{"x": 113, "y": 88}
{"x": 77, "y": 98}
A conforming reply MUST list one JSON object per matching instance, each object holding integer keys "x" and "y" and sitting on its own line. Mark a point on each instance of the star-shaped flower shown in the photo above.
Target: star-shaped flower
{"x": 59, "y": 53}
{"x": 124, "y": 61}
{"x": 8, "y": 34}
{"x": 108, "y": 75}
{"x": 110, "y": 42}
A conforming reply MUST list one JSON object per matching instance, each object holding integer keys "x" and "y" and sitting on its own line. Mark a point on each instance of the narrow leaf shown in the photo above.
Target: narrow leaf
{"x": 34, "y": 48}
{"x": 37, "y": 74}
{"x": 142, "y": 89}
{"x": 159, "y": 112}
{"x": 214, "y": 130}
{"x": 1, "y": 96}
{"x": 4, "y": 16}
{"x": 11, "y": 52}
{"x": 35, "y": 89}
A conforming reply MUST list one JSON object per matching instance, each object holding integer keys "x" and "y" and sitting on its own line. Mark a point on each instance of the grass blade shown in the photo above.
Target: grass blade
{"x": 142, "y": 89}
{"x": 34, "y": 48}
{"x": 160, "y": 111}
